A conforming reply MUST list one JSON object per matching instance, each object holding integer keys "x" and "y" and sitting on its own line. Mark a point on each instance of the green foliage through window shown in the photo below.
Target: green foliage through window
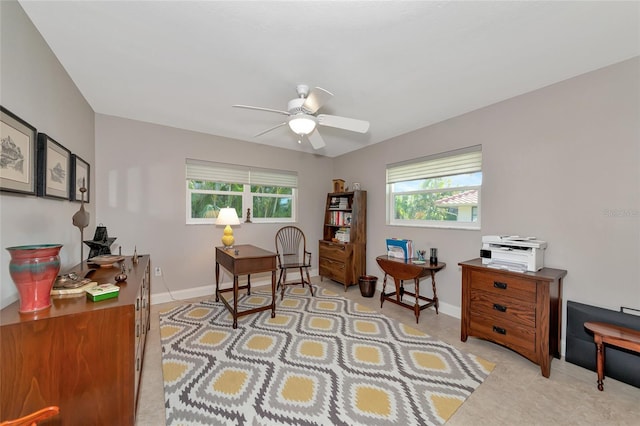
{"x": 442, "y": 190}
{"x": 267, "y": 203}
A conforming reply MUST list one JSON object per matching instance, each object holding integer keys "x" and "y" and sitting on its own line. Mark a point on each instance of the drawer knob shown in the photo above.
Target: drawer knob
{"x": 499, "y": 330}
{"x": 501, "y": 286}
{"x": 499, "y": 307}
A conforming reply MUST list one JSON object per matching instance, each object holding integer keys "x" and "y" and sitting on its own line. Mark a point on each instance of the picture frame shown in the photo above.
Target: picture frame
{"x": 18, "y": 155}
{"x": 80, "y": 173}
{"x": 54, "y": 169}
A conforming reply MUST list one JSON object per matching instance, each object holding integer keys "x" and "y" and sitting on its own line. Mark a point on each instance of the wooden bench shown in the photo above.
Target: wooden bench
{"x": 614, "y": 335}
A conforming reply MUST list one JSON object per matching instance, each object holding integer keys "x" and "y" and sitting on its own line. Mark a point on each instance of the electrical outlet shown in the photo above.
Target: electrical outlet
{"x": 158, "y": 271}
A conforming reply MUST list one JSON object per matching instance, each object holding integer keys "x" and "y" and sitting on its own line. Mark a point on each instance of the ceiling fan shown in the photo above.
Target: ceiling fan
{"x": 303, "y": 119}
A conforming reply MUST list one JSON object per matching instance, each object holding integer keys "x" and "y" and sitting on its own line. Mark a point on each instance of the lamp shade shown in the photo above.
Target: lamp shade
{"x": 227, "y": 216}
{"x": 302, "y": 124}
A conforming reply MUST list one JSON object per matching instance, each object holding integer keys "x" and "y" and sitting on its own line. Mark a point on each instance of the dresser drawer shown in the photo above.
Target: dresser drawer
{"x": 503, "y": 307}
{"x": 332, "y": 269}
{"x": 339, "y": 252}
{"x": 502, "y": 331}
{"x": 504, "y": 285}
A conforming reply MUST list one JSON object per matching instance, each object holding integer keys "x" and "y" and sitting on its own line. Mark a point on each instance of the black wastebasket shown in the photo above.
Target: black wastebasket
{"x": 368, "y": 285}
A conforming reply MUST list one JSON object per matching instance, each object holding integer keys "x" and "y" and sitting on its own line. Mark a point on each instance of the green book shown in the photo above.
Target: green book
{"x": 102, "y": 292}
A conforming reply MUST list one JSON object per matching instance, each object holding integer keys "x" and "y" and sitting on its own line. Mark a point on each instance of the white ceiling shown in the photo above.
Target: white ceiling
{"x": 400, "y": 65}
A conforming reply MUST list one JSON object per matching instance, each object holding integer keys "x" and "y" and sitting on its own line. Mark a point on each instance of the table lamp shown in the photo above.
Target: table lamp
{"x": 228, "y": 217}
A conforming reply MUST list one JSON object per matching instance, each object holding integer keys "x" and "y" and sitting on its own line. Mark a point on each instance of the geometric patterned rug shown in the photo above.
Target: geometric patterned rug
{"x": 323, "y": 360}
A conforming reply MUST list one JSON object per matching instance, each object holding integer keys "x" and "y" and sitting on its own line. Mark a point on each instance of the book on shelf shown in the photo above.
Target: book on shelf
{"x": 340, "y": 218}
{"x": 401, "y": 249}
{"x": 339, "y": 203}
{"x": 343, "y": 235}
{"x": 102, "y": 292}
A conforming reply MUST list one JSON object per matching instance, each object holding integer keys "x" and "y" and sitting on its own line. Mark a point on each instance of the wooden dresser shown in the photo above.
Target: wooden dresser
{"x": 83, "y": 356}
{"x": 522, "y": 311}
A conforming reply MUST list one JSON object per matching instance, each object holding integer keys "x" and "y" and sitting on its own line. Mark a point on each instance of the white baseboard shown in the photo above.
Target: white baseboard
{"x": 209, "y": 290}
{"x": 204, "y": 291}
{"x": 451, "y": 310}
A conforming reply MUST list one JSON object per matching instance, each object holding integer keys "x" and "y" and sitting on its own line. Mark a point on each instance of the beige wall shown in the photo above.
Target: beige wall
{"x": 35, "y": 87}
{"x": 141, "y": 198}
{"x": 561, "y": 163}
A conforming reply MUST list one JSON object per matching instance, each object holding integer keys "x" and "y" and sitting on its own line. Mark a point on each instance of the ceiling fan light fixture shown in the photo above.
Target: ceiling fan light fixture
{"x": 302, "y": 124}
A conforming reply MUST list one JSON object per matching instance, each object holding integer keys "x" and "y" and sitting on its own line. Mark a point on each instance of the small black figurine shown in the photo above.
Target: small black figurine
{"x": 101, "y": 243}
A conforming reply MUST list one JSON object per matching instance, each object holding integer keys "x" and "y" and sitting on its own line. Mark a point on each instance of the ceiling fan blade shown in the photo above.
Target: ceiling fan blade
{"x": 351, "y": 124}
{"x": 315, "y": 99}
{"x": 316, "y": 140}
{"x": 262, "y": 109}
{"x": 270, "y": 129}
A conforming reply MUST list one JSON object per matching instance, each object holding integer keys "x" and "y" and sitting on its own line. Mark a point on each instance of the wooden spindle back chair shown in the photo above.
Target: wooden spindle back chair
{"x": 291, "y": 248}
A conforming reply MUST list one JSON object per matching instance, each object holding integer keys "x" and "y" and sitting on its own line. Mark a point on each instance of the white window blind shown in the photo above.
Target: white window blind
{"x": 467, "y": 160}
{"x": 273, "y": 178}
{"x": 221, "y": 172}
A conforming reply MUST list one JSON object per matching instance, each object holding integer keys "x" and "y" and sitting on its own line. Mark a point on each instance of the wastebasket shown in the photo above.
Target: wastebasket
{"x": 368, "y": 285}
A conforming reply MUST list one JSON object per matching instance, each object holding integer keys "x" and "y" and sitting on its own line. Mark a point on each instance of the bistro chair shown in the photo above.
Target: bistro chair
{"x": 291, "y": 248}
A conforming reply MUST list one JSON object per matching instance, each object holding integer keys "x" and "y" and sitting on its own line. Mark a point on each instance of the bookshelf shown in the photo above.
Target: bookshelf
{"x": 342, "y": 250}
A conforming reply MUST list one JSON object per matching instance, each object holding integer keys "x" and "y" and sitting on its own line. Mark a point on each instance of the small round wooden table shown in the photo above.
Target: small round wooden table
{"x": 410, "y": 269}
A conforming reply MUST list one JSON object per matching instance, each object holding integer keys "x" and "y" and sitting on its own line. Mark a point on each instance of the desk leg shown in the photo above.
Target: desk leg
{"x": 384, "y": 286}
{"x": 235, "y": 301}
{"x": 217, "y": 280}
{"x": 273, "y": 294}
{"x": 248, "y": 284}
{"x": 416, "y": 307}
{"x": 435, "y": 295}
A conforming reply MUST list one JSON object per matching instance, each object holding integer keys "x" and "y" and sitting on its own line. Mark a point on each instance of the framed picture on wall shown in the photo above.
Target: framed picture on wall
{"x": 54, "y": 168}
{"x": 79, "y": 178}
{"x": 18, "y": 154}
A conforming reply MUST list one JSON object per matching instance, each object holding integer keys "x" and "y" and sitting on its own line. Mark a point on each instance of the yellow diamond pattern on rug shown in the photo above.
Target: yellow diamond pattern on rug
{"x": 323, "y": 360}
{"x": 298, "y": 389}
{"x": 373, "y": 400}
{"x": 230, "y": 381}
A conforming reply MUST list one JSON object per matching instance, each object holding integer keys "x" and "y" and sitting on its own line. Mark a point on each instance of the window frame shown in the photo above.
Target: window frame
{"x": 440, "y": 172}
{"x": 240, "y": 175}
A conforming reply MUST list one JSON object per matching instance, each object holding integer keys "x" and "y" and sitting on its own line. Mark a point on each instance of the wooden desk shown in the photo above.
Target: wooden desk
{"x": 240, "y": 260}
{"x": 400, "y": 270}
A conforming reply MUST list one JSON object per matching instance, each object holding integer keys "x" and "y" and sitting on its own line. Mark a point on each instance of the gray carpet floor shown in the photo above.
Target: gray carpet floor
{"x": 515, "y": 393}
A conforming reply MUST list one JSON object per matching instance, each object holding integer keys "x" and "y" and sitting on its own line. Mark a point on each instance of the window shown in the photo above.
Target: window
{"x": 441, "y": 190}
{"x": 270, "y": 194}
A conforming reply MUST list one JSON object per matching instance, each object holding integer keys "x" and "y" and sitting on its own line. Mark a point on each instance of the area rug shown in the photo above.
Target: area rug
{"x": 323, "y": 360}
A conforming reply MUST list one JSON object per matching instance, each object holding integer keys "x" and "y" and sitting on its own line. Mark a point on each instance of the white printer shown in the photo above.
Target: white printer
{"x": 513, "y": 253}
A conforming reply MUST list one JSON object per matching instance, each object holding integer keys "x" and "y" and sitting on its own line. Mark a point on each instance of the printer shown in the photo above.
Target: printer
{"x": 513, "y": 253}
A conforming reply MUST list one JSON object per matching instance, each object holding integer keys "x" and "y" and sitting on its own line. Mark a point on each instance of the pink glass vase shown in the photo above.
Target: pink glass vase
{"x": 33, "y": 269}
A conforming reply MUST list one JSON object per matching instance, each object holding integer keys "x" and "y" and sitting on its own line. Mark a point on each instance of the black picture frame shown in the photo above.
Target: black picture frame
{"x": 54, "y": 168}
{"x": 18, "y": 156}
{"x": 80, "y": 173}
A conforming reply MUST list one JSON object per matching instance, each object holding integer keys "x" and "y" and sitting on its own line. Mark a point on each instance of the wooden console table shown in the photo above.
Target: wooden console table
{"x": 519, "y": 310}
{"x": 245, "y": 259}
{"x": 82, "y": 356}
{"x": 613, "y": 335}
{"x": 411, "y": 269}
